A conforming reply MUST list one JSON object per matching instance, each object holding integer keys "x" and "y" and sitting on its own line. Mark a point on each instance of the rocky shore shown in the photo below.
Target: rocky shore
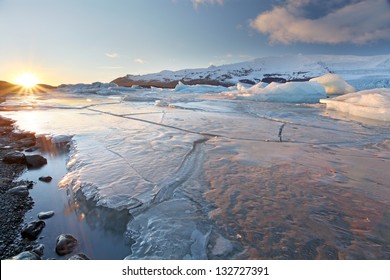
{"x": 18, "y": 239}
{"x": 14, "y": 201}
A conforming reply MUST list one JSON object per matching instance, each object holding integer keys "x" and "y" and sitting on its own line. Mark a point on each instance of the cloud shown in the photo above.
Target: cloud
{"x": 139, "y": 60}
{"x": 112, "y": 55}
{"x": 339, "y": 21}
{"x": 196, "y": 3}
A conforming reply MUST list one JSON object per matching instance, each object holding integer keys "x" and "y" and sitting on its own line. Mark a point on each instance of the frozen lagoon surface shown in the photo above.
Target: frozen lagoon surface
{"x": 205, "y": 177}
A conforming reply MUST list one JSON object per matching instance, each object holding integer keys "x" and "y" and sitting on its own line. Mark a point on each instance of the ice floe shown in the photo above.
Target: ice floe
{"x": 182, "y": 88}
{"x": 291, "y": 92}
{"x": 371, "y": 104}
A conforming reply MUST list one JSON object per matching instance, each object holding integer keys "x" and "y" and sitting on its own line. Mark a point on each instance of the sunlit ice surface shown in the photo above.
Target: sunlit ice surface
{"x": 205, "y": 177}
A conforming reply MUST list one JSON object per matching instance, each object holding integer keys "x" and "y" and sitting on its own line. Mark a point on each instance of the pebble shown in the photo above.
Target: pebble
{"x": 33, "y": 229}
{"x": 19, "y": 190}
{"x": 78, "y": 257}
{"x": 45, "y": 215}
{"x": 26, "y": 255}
{"x": 32, "y": 149}
{"x": 65, "y": 244}
{"x": 38, "y": 249}
{"x": 46, "y": 179}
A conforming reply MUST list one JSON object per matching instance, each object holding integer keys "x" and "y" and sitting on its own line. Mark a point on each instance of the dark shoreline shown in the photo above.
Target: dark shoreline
{"x": 13, "y": 207}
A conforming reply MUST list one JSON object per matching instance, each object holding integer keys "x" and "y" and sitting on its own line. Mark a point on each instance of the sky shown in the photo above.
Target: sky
{"x": 72, "y": 41}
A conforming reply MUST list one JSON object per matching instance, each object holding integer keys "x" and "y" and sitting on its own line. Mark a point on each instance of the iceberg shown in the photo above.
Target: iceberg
{"x": 291, "y": 92}
{"x": 96, "y": 88}
{"x": 334, "y": 84}
{"x": 371, "y": 104}
{"x": 182, "y": 88}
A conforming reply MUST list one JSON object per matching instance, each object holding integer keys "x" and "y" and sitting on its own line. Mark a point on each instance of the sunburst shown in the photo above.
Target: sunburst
{"x": 27, "y": 80}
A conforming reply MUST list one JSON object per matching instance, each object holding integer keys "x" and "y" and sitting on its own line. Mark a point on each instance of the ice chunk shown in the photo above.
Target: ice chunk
{"x": 334, "y": 84}
{"x": 292, "y": 92}
{"x": 60, "y": 139}
{"x": 87, "y": 88}
{"x": 241, "y": 87}
{"x": 167, "y": 231}
{"x": 371, "y": 104}
{"x": 182, "y": 88}
{"x": 97, "y": 88}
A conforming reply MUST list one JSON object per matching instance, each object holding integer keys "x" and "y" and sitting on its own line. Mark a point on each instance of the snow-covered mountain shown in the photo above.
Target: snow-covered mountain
{"x": 361, "y": 71}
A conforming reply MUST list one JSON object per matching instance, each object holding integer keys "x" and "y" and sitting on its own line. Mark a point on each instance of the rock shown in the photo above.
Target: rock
{"x": 46, "y": 179}
{"x": 65, "y": 244}
{"x": 26, "y": 142}
{"x": 38, "y": 249}
{"x": 78, "y": 257}
{"x": 20, "y": 190}
{"x": 61, "y": 139}
{"x": 33, "y": 229}
{"x": 15, "y": 157}
{"x": 45, "y": 215}
{"x": 5, "y": 147}
{"x": 222, "y": 247}
{"x": 32, "y": 149}
{"x": 35, "y": 161}
{"x": 26, "y": 255}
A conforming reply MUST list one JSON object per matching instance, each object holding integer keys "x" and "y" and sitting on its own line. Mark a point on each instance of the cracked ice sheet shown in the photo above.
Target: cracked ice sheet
{"x": 311, "y": 197}
{"x": 117, "y": 160}
{"x": 55, "y": 99}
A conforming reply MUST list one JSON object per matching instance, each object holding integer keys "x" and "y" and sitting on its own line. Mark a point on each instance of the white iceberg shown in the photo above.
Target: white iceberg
{"x": 291, "y": 92}
{"x": 334, "y": 84}
{"x": 96, "y": 88}
{"x": 182, "y": 88}
{"x": 371, "y": 104}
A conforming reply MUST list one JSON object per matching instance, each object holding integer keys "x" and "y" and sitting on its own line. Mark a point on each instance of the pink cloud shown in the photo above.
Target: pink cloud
{"x": 359, "y": 23}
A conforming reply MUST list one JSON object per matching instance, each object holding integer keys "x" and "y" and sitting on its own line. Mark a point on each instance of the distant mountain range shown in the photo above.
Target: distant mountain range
{"x": 362, "y": 71}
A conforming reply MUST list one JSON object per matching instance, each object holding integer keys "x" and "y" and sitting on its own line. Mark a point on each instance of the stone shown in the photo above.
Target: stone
{"x": 32, "y": 230}
{"x": 45, "y": 215}
{"x": 35, "y": 161}
{"x": 31, "y": 149}
{"x": 65, "y": 244}
{"x": 78, "y": 257}
{"x": 19, "y": 190}
{"x": 46, "y": 179}
{"x": 38, "y": 249}
{"x": 222, "y": 247}
{"x": 26, "y": 142}
{"x": 26, "y": 255}
{"x": 15, "y": 158}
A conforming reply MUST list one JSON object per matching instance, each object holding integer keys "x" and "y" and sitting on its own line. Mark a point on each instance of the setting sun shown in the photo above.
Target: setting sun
{"x": 27, "y": 80}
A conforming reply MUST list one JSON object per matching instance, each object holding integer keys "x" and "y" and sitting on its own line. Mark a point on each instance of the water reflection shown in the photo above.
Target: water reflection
{"x": 112, "y": 222}
{"x": 100, "y": 231}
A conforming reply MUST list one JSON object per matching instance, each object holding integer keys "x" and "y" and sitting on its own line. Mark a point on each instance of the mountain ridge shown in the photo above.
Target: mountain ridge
{"x": 267, "y": 69}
